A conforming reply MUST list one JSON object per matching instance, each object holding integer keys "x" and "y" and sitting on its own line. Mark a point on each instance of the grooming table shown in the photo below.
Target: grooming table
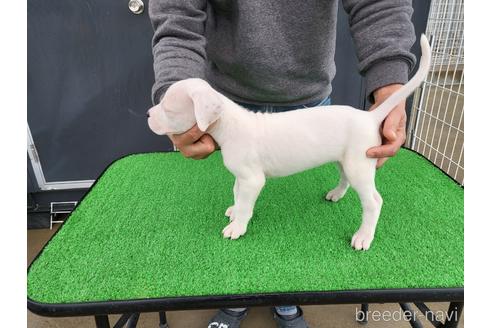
{"x": 147, "y": 238}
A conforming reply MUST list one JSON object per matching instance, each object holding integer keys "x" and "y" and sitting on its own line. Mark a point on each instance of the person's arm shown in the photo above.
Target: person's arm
{"x": 383, "y": 34}
{"x": 178, "y": 44}
{"x": 178, "y": 47}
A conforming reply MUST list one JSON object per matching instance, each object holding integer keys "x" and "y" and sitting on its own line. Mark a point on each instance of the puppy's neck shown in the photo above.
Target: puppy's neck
{"x": 233, "y": 120}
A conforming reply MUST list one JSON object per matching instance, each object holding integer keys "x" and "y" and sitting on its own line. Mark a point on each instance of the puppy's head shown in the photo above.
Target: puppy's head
{"x": 186, "y": 103}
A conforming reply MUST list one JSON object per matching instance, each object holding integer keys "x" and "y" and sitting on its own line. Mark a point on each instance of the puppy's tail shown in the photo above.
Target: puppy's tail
{"x": 387, "y": 106}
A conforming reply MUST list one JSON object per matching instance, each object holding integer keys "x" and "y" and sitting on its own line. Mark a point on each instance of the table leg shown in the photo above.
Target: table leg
{"x": 163, "y": 320}
{"x": 132, "y": 321}
{"x": 453, "y": 315}
{"x": 411, "y": 316}
{"x": 102, "y": 321}
{"x": 362, "y": 314}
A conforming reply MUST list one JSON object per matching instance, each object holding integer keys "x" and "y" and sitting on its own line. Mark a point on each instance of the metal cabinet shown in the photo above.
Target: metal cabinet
{"x": 89, "y": 80}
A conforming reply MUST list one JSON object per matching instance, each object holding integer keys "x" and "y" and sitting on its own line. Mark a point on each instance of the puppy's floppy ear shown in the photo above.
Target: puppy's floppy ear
{"x": 208, "y": 106}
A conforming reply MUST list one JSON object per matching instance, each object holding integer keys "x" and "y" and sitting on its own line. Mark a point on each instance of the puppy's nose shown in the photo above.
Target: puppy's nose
{"x": 148, "y": 115}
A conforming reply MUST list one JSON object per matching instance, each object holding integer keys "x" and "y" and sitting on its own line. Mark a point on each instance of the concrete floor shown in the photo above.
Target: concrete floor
{"x": 329, "y": 316}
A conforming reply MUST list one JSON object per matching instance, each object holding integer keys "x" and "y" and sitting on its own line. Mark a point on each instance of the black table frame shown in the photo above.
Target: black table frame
{"x": 131, "y": 309}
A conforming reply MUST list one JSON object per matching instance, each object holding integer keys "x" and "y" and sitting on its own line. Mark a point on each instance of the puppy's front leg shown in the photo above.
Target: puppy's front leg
{"x": 230, "y": 209}
{"x": 247, "y": 192}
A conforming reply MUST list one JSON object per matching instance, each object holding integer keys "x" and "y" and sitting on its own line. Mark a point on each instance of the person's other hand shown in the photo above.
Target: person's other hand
{"x": 392, "y": 129}
{"x": 194, "y": 143}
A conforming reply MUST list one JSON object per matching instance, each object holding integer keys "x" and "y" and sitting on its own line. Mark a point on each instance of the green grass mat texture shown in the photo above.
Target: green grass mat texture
{"x": 151, "y": 228}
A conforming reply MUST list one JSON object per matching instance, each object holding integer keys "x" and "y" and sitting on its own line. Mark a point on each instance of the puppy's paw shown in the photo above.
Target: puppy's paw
{"x": 336, "y": 194}
{"x": 234, "y": 230}
{"x": 362, "y": 239}
{"x": 228, "y": 212}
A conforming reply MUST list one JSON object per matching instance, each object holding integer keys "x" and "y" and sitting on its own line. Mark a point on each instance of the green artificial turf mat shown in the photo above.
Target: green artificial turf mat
{"x": 151, "y": 228}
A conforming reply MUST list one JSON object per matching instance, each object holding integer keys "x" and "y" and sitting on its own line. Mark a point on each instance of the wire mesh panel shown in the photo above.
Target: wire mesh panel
{"x": 436, "y": 123}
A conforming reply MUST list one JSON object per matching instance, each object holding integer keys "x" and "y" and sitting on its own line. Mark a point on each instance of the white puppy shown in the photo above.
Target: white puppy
{"x": 258, "y": 145}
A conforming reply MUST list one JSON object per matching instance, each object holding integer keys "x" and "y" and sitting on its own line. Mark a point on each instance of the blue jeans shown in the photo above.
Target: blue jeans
{"x": 276, "y": 109}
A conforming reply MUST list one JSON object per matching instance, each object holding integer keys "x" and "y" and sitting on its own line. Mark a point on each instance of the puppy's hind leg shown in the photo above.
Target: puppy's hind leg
{"x": 248, "y": 190}
{"x": 361, "y": 173}
{"x": 340, "y": 190}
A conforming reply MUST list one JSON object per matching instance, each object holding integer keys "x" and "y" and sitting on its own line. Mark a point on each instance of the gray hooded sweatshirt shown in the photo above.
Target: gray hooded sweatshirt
{"x": 277, "y": 52}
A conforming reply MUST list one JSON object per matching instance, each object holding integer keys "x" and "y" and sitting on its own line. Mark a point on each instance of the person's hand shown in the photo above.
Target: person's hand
{"x": 392, "y": 129}
{"x": 194, "y": 143}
